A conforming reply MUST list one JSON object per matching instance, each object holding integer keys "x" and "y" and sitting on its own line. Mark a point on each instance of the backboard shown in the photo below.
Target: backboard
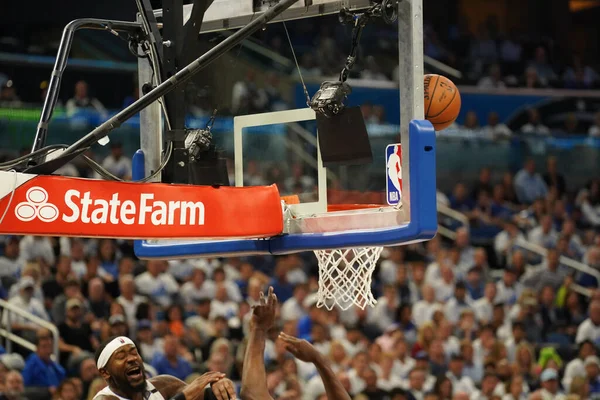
{"x": 391, "y": 201}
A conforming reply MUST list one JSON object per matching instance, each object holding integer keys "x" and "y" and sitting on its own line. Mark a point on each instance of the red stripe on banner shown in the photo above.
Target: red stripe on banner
{"x": 61, "y": 206}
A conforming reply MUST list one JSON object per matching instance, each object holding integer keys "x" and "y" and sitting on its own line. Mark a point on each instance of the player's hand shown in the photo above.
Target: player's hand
{"x": 263, "y": 314}
{"x": 300, "y": 348}
{"x": 195, "y": 390}
{"x": 224, "y": 389}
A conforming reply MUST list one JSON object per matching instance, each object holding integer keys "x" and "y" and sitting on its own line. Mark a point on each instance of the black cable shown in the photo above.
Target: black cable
{"x": 27, "y": 157}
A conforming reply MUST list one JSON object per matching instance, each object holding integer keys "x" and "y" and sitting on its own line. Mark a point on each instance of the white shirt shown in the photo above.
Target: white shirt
{"x": 402, "y": 368}
{"x": 32, "y": 248}
{"x": 388, "y": 272}
{"x": 443, "y": 290}
{"x": 159, "y": 288}
{"x": 451, "y": 346}
{"x": 508, "y": 295}
{"x": 130, "y": 308}
{"x": 464, "y": 384}
{"x": 497, "y": 131}
{"x": 588, "y": 331}
{"x": 484, "y": 310}
{"x": 381, "y": 315}
{"x": 453, "y": 309}
{"x": 9, "y": 267}
{"x": 352, "y": 349}
{"x": 34, "y": 306}
{"x": 594, "y": 131}
{"x": 227, "y": 309}
{"x": 503, "y": 240}
{"x": 539, "y": 129}
{"x": 537, "y": 236}
{"x": 432, "y": 273}
{"x": 423, "y": 311}
{"x": 190, "y": 293}
{"x": 291, "y": 310}
{"x": 573, "y": 369}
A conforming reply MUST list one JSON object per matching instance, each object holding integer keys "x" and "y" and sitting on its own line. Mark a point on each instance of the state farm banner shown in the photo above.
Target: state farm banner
{"x": 61, "y": 206}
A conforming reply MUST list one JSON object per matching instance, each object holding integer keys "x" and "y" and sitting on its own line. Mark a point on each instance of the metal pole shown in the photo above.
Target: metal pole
{"x": 186, "y": 73}
{"x": 61, "y": 64}
{"x": 410, "y": 45}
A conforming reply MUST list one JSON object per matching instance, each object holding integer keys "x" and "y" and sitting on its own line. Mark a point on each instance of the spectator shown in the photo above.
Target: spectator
{"x": 543, "y": 69}
{"x": 531, "y": 79}
{"x": 508, "y": 289}
{"x": 576, "y": 367}
{"x": 507, "y": 241}
{"x": 128, "y": 299}
{"x": 198, "y": 287}
{"x": 82, "y": 101}
{"x": 580, "y": 76}
{"x": 590, "y": 328}
{"x": 40, "y": 370}
{"x": 534, "y": 125}
{"x": 68, "y": 390}
{"x": 37, "y": 248}
{"x": 493, "y": 80}
{"x": 544, "y": 235}
{"x": 495, "y": 129}
{"x": 484, "y": 307}
{"x": 14, "y": 389}
{"x": 119, "y": 165}
{"x": 592, "y": 369}
{"x": 11, "y": 262}
{"x": 553, "y": 178}
{"x": 293, "y": 309}
{"x": 549, "y": 384}
{"x": 8, "y": 96}
{"x": 471, "y": 125}
{"x": 529, "y": 185}
{"x": 483, "y": 183}
{"x": 25, "y": 301}
{"x": 157, "y": 284}
{"x": 75, "y": 334}
{"x": 549, "y": 273}
{"x": 171, "y": 363}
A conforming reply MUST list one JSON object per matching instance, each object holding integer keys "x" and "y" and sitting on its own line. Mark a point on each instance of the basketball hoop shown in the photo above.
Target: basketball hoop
{"x": 345, "y": 277}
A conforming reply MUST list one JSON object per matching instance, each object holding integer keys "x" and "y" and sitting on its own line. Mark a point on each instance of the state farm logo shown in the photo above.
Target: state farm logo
{"x": 36, "y": 206}
{"x": 110, "y": 209}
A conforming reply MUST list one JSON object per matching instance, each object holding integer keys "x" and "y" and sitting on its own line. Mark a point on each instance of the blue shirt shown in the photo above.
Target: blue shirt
{"x": 182, "y": 370}
{"x": 529, "y": 187}
{"x": 304, "y": 327}
{"x": 40, "y": 373}
{"x": 283, "y": 290}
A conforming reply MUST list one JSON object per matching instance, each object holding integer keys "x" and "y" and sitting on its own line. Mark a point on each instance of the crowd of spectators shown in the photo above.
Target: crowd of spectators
{"x": 448, "y": 323}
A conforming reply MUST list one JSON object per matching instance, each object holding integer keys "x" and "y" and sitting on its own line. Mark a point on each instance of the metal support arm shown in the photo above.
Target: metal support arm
{"x": 166, "y": 87}
{"x": 61, "y": 64}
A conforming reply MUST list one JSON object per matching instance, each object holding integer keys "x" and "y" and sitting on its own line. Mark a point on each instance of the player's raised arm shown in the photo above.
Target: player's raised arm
{"x": 254, "y": 375}
{"x": 303, "y": 350}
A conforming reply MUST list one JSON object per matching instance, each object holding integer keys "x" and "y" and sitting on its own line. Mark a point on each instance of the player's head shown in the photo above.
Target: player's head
{"x": 121, "y": 365}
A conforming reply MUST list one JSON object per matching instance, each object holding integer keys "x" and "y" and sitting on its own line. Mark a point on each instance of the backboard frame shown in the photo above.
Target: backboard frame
{"x": 416, "y": 135}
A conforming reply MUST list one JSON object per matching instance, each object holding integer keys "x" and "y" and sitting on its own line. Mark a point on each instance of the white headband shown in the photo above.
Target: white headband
{"x": 110, "y": 348}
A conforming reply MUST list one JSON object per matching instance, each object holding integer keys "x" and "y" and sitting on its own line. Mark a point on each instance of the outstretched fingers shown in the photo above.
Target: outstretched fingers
{"x": 287, "y": 338}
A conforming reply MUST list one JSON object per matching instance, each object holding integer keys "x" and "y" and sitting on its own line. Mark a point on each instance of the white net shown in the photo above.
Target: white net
{"x": 345, "y": 277}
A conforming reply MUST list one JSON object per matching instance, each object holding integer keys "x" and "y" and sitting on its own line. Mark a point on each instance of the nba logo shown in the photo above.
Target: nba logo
{"x": 393, "y": 184}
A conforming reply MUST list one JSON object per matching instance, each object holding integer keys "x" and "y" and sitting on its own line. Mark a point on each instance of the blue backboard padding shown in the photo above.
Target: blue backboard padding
{"x": 422, "y": 225}
{"x": 423, "y": 206}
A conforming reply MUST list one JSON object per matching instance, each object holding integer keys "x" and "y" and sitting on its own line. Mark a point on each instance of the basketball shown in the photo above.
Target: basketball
{"x": 442, "y": 101}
